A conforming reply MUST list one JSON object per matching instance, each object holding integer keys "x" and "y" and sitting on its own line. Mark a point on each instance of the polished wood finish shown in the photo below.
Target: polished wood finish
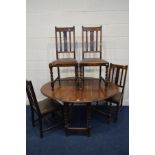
{"x": 89, "y": 90}
{"x": 92, "y": 50}
{"x": 117, "y": 75}
{"x": 83, "y": 92}
{"x": 65, "y": 51}
{"x": 42, "y": 108}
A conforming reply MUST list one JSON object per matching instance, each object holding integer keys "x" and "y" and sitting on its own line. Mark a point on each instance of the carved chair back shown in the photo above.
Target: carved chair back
{"x": 65, "y": 41}
{"x": 117, "y": 75}
{"x": 91, "y": 41}
{"x": 32, "y": 97}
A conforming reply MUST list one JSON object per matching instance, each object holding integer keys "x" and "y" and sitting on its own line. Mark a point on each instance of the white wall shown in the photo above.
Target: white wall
{"x": 44, "y": 15}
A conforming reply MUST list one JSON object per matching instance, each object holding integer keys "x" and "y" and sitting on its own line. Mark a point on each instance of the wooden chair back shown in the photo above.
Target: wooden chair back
{"x": 65, "y": 41}
{"x": 117, "y": 75}
{"x": 32, "y": 97}
{"x": 91, "y": 40}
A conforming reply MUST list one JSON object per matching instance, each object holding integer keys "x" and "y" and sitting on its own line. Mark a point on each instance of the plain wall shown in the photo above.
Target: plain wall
{"x": 42, "y": 17}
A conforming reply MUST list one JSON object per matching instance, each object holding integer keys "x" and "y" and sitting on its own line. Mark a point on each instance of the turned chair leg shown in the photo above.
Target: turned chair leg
{"x": 40, "y": 127}
{"x": 109, "y": 112}
{"x": 121, "y": 104}
{"x": 82, "y": 76}
{"x": 82, "y": 72}
{"x": 106, "y": 74}
{"x": 76, "y": 73}
{"x": 117, "y": 113}
{"x": 100, "y": 75}
{"x": 52, "y": 81}
{"x": 33, "y": 121}
{"x": 58, "y": 73}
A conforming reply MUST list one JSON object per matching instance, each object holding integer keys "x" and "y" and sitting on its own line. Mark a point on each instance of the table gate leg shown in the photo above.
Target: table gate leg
{"x": 89, "y": 118}
{"x": 66, "y": 117}
{"x": 117, "y": 112}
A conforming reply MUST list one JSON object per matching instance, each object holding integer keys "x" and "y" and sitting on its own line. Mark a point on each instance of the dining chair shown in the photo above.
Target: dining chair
{"x": 117, "y": 75}
{"x": 65, "y": 51}
{"x": 92, "y": 50}
{"x": 42, "y": 108}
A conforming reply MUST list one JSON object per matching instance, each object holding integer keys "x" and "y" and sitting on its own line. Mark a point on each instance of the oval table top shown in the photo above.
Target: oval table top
{"x": 91, "y": 90}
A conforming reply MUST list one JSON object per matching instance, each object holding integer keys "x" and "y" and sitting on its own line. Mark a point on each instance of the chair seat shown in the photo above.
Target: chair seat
{"x": 63, "y": 62}
{"x": 116, "y": 98}
{"x": 93, "y": 62}
{"x": 48, "y": 105}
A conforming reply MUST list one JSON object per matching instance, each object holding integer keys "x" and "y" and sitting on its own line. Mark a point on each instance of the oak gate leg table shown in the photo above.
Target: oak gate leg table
{"x": 85, "y": 92}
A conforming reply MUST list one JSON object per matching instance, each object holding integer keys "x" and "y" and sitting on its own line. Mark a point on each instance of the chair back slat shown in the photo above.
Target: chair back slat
{"x": 101, "y": 43}
{"x": 86, "y": 40}
{"x": 65, "y": 41}
{"x": 60, "y": 42}
{"x": 112, "y": 74}
{"x": 32, "y": 97}
{"x": 117, "y": 75}
{"x": 70, "y": 45}
{"x": 122, "y": 72}
{"x": 74, "y": 41}
{"x": 96, "y": 40}
{"x": 56, "y": 42}
{"x": 91, "y": 40}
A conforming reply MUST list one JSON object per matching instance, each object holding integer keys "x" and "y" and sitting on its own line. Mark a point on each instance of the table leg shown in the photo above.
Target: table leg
{"x": 68, "y": 128}
{"x": 89, "y": 118}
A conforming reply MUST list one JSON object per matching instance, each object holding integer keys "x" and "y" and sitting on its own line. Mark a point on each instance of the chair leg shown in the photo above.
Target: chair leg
{"x": 52, "y": 81}
{"x": 40, "y": 127}
{"x": 100, "y": 76}
{"x": 121, "y": 105}
{"x": 117, "y": 113}
{"x": 106, "y": 74}
{"x": 83, "y": 72}
{"x": 110, "y": 113}
{"x": 76, "y": 73}
{"x": 58, "y": 73}
{"x": 33, "y": 121}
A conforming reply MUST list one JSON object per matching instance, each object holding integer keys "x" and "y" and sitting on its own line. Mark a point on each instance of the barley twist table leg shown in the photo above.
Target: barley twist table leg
{"x": 89, "y": 117}
{"x": 66, "y": 117}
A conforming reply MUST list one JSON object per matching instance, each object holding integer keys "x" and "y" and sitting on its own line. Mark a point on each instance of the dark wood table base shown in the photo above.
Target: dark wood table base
{"x": 83, "y": 92}
{"x": 68, "y": 128}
